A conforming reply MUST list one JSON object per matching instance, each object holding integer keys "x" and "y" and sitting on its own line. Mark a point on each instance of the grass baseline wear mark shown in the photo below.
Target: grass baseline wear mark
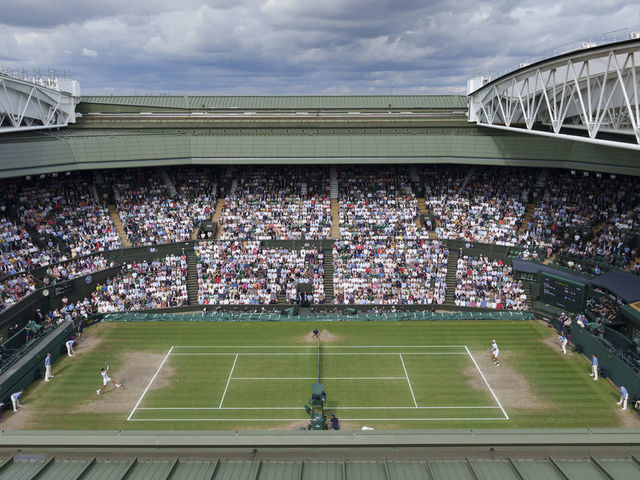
{"x": 337, "y": 408}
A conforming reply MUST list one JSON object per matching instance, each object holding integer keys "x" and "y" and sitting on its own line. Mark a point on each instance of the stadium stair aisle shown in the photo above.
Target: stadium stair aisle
{"x": 333, "y": 185}
{"x": 597, "y": 228}
{"x": 169, "y": 182}
{"x": 527, "y": 287}
{"x": 328, "y": 275}
{"x": 282, "y": 298}
{"x": 335, "y": 219}
{"x": 527, "y": 217}
{"x": 192, "y": 278}
{"x": 470, "y": 174}
{"x": 115, "y": 218}
{"x": 422, "y": 210}
{"x": 217, "y": 214}
{"x": 452, "y": 266}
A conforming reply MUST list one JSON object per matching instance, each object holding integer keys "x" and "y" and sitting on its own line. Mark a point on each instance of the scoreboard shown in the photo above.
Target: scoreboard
{"x": 563, "y": 293}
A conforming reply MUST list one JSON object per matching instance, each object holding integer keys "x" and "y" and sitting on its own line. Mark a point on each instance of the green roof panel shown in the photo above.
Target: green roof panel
{"x": 278, "y": 102}
{"x": 193, "y": 470}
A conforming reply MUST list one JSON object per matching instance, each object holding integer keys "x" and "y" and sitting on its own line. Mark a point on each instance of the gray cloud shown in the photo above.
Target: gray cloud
{"x": 293, "y": 46}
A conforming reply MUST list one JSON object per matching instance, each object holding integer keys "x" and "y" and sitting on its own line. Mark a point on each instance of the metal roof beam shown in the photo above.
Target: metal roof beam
{"x": 558, "y": 469}
{"x": 516, "y": 469}
{"x": 429, "y": 470}
{"x": 42, "y": 469}
{"x": 598, "y": 89}
{"x": 82, "y": 473}
{"x": 129, "y": 468}
{"x": 170, "y": 471}
{"x": 30, "y": 106}
{"x": 216, "y": 465}
{"x": 602, "y": 468}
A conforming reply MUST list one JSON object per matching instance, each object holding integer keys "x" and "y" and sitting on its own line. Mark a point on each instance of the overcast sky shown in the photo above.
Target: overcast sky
{"x": 293, "y": 46}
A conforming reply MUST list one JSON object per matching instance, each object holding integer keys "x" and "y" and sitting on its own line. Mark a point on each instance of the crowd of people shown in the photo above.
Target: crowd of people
{"x": 243, "y": 272}
{"x": 376, "y": 204}
{"x": 77, "y": 312}
{"x": 383, "y": 255}
{"x": 485, "y": 206}
{"x": 66, "y": 209}
{"x": 14, "y": 289}
{"x": 609, "y": 245}
{"x": 286, "y": 203}
{"x": 604, "y": 309}
{"x": 574, "y": 203}
{"x": 160, "y": 283}
{"x": 151, "y": 214}
{"x": 17, "y": 251}
{"x": 615, "y": 241}
{"x": 485, "y": 283}
{"x": 78, "y": 267}
{"x": 390, "y": 271}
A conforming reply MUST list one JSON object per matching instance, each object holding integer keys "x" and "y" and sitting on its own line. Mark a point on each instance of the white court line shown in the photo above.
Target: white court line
{"x": 430, "y": 419}
{"x": 323, "y": 346}
{"x": 487, "y": 383}
{"x": 150, "y": 382}
{"x": 467, "y": 352}
{"x": 311, "y": 353}
{"x": 316, "y": 378}
{"x": 408, "y": 381}
{"x": 228, "y": 380}
{"x": 298, "y": 408}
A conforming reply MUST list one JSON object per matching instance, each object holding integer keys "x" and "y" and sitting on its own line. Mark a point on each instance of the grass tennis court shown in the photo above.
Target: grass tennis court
{"x": 258, "y": 375}
{"x": 370, "y": 384}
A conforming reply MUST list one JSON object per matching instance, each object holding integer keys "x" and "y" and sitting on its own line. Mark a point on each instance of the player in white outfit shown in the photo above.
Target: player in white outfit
{"x": 106, "y": 380}
{"x": 495, "y": 351}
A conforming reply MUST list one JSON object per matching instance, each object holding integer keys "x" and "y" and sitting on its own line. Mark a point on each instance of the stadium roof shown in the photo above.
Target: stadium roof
{"x": 317, "y": 102}
{"x": 29, "y": 467}
{"x": 376, "y": 455}
{"x": 83, "y": 149}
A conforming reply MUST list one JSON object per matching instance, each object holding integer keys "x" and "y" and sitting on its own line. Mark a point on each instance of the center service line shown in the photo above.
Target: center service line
{"x": 228, "y": 380}
{"x": 408, "y": 381}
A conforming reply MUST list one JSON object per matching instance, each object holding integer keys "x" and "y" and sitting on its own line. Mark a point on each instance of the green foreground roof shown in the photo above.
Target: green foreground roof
{"x": 448, "y": 454}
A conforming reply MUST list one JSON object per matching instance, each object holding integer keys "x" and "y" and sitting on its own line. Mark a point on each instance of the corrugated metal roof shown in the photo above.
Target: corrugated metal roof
{"x": 285, "y": 102}
{"x": 106, "y": 470}
{"x": 535, "y": 470}
{"x": 317, "y": 470}
{"x": 194, "y": 470}
{"x": 498, "y": 469}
